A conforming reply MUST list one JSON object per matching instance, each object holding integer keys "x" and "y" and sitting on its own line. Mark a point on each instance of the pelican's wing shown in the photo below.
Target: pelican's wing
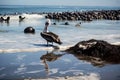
{"x": 53, "y": 34}
{"x": 47, "y": 36}
{"x": 51, "y": 37}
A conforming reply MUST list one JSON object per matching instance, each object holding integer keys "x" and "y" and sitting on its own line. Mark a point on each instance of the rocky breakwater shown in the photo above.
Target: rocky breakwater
{"x": 86, "y": 15}
{"x": 96, "y": 49}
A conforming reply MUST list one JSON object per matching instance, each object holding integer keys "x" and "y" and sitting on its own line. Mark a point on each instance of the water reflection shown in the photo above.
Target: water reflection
{"x": 5, "y": 23}
{"x": 8, "y": 23}
{"x": 49, "y": 57}
{"x": 52, "y": 56}
{"x": 93, "y": 60}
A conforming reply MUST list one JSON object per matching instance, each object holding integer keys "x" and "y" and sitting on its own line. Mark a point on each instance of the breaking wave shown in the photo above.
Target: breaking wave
{"x": 27, "y": 16}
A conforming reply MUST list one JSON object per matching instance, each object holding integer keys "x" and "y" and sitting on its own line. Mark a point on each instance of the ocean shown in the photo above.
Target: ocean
{"x": 13, "y": 9}
{"x": 20, "y": 53}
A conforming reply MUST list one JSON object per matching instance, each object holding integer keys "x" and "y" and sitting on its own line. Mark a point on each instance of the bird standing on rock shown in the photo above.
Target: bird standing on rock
{"x": 50, "y": 36}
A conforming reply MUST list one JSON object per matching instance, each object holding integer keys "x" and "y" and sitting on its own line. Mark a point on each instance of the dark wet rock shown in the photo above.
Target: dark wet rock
{"x": 7, "y": 19}
{"x": 54, "y": 23}
{"x": 66, "y": 23}
{"x": 21, "y": 18}
{"x": 98, "y": 49}
{"x": 29, "y": 30}
{"x": 1, "y": 19}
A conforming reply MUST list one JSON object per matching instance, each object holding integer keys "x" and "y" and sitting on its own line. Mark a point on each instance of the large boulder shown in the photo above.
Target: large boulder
{"x": 29, "y": 30}
{"x": 97, "y": 48}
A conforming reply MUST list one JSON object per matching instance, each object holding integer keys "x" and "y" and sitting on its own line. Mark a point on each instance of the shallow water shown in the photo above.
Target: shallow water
{"x": 26, "y": 65}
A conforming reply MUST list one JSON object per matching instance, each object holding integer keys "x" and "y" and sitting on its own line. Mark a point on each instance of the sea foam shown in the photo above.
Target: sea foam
{"x": 27, "y": 16}
{"x": 91, "y": 76}
{"x": 61, "y": 48}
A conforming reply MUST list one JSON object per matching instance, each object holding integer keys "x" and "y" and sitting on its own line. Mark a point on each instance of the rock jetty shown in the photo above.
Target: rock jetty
{"x": 86, "y": 15}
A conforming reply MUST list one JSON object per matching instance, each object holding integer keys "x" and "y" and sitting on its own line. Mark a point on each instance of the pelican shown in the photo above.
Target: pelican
{"x": 50, "y": 36}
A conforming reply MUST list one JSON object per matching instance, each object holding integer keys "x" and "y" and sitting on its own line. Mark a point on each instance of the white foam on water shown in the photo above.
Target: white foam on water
{"x": 36, "y": 71}
{"x": 27, "y": 16}
{"x": 91, "y": 76}
{"x": 68, "y": 60}
{"x": 61, "y": 48}
{"x": 23, "y": 50}
{"x": 20, "y": 69}
{"x": 33, "y": 16}
{"x": 64, "y": 72}
{"x": 35, "y": 63}
{"x": 53, "y": 71}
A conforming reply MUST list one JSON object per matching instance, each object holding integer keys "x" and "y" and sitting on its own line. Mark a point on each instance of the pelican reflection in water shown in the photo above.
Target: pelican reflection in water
{"x": 49, "y": 57}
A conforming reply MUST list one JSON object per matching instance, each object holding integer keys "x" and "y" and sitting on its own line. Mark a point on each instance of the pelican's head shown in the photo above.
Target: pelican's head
{"x": 48, "y": 22}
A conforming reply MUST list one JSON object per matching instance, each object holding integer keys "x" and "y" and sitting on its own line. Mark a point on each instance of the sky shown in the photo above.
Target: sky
{"x": 62, "y": 2}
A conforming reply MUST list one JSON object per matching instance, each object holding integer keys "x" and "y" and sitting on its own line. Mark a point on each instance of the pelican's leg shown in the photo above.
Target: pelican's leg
{"x": 47, "y": 43}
